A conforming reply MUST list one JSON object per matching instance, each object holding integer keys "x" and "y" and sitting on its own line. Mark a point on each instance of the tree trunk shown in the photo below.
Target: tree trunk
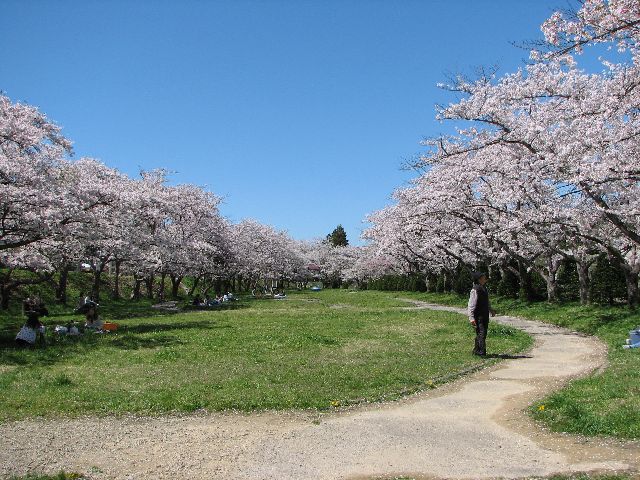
{"x": 61, "y": 287}
{"x": 137, "y": 284}
{"x": 551, "y": 278}
{"x": 148, "y": 282}
{"x": 583, "y": 279}
{"x": 194, "y": 287}
{"x": 95, "y": 290}
{"x": 526, "y": 290}
{"x": 115, "y": 294}
{"x": 552, "y": 288}
{"x": 5, "y": 295}
{"x": 175, "y": 285}
{"x": 631, "y": 278}
{"x": 163, "y": 277}
{"x": 97, "y": 277}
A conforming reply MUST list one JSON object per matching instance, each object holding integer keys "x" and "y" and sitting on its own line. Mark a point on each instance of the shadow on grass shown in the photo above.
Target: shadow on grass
{"x": 127, "y": 338}
{"x": 66, "y": 348}
{"x": 131, "y": 342}
{"x": 506, "y": 356}
{"x": 11, "y": 322}
{"x": 122, "y": 309}
{"x": 216, "y": 308}
{"x": 169, "y": 326}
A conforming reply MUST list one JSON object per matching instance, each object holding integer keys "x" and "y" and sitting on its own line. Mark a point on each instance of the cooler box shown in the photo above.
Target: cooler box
{"x": 110, "y": 326}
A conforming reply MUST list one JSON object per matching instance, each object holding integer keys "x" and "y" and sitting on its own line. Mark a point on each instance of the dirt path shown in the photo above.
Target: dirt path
{"x": 472, "y": 428}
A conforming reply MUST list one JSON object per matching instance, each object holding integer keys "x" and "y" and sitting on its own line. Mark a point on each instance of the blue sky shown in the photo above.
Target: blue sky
{"x": 299, "y": 113}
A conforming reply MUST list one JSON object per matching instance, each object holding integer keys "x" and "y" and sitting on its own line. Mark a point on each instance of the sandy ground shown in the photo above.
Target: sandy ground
{"x": 473, "y": 428}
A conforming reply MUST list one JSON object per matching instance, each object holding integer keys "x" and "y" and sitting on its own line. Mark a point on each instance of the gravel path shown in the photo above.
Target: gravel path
{"x": 472, "y": 428}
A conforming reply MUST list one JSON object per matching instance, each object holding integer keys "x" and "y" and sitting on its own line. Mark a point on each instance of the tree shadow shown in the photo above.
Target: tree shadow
{"x": 235, "y": 305}
{"x": 127, "y": 337}
{"x": 132, "y": 342}
{"x": 506, "y": 356}
{"x": 600, "y": 320}
{"x": 168, "y": 326}
{"x": 120, "y": 310}
{"x": 62, "y": 349}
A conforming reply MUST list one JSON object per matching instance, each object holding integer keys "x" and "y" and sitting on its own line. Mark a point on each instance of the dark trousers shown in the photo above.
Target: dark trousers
{"x": 480, "y": 347}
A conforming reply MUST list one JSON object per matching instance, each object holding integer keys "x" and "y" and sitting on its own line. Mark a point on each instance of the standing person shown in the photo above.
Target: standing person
{"x": 479, "y": 311}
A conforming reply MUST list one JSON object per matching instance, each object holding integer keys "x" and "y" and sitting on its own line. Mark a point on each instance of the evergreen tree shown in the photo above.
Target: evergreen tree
{"x": 568, "y": 282}
{"x": 608, "y": 282}
{"x": 338, "y": 238}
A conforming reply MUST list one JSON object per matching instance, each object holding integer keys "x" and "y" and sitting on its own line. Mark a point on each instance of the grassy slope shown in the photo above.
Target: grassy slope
{"x": 308, "y": 351}
{"x": 601, "y": 404}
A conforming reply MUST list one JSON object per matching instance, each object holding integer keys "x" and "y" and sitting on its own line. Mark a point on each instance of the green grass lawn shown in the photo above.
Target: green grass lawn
{"x": 311, "y": 350}
{"x": 601, "y": 404}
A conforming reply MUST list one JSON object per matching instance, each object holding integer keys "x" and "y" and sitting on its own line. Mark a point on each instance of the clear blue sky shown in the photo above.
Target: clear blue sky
{"x": 299, "y": 113}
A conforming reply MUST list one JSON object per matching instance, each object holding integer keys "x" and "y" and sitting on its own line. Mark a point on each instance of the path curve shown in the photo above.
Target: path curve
{"x": 472, "y": 428}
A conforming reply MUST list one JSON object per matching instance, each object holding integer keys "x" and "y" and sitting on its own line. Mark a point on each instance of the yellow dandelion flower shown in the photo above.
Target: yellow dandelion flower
{"x": 541, "y": 408}
{"x": 335, "y": 403}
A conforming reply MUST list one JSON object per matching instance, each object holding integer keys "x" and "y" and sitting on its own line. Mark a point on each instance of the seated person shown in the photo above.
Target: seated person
{"x": 73, "y": 329}
{"x": 211, "y": 302}
{"x": 197, "y": 301}
{"x": 93, "y": 321}
{"x": 33, "y": 309}
{"x": 85, "y": 304}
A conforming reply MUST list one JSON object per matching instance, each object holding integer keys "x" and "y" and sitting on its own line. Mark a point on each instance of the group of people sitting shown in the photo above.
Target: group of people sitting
{"x": 212, "y": 302}
{"x": 268, "y": 292}
{"x": 33, "y": 330}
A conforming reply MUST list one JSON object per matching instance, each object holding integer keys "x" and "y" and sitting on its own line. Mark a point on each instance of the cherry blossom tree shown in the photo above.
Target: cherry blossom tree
{"x": 368, "y": 264}
{"x": 31, "y": 149}
{"x": 192, "y": 233}
{"x": 542, "y": 153}
{"x": 31, "y": 206}
{"x": 265, "y": 255}
{"x": 544, "y": 166}
{"x": 597, "y": 21}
